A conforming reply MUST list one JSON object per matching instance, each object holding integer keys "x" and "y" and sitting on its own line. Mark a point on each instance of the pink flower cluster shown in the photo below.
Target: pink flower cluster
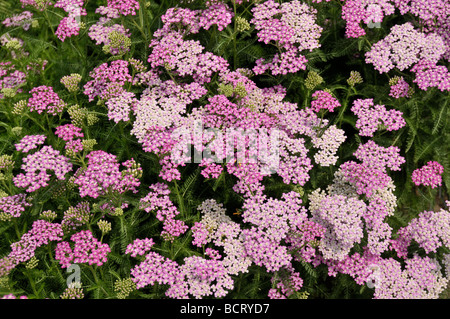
{"x": 71, "y": 134}
{"x": 37, "y": 165}
{"x": 399, "y": 87}
{"x": 158, "y": 200}
{"x": 139, "y": 247}
{"x": 156, "y": 269}
{"x": 428, "y": 74}
{"x": 176, "y": 18}
{"x": 19, "y": 20}
{"x": 379, "y": 157}
{"x": 371, "y": 117}
{"x": 102, "y": 175}
{"x": 30, "y": 142}
{"x": 119, "y": 107}
{"x": 41, "y": 233}
{"x": 324, "y": 100}
{"x": 125, "y": 8}
{"x": 403, "y": 47}
{"x": 70, "y": 25}
{"x": 86, "y": 249}
{"x": 45, "y": 99}
{"x": 108, "y": 80}
{"x": 291, "y": 26}
{"x": 419, "y": 279}
{"x": 68, "y": 132}
{"x": 428, "y": 175}
{"x": 432, "y": 16}
{"x": 341, "y": 216}
{"x": 369, "y": 12}
{"x": 430, "y": 230}
{"x": 185, "y": 57}
{"x": 14, "y": 205}
{"x": 11, "y": 78}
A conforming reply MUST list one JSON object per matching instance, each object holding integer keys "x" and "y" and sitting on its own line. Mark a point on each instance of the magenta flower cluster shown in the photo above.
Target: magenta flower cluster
{"x": 86, "y": 249}
{"x": 428, "y": 175}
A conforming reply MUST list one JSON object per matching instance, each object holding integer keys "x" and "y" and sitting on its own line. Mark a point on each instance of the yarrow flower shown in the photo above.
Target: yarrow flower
{"x": 45, "y": 99}
{"x": 37, "y": 165}
{"x": 324, "y": 100}
{"x": 30, "y": 142}
{"x": 103, "y": 175}
{"x": 158, "y": 201}
{"x": 400, "y": 88}
{"x": 13, "y": 206}
{"x": 371, "y": 116}
{"x": 403, "y": 47}
{"x": 139, "y": 247}
{"x": 86, "y": 249}
{"x": 291, "y": 26}
{"x": 428, "y": 175}
{"x": 19, "y": 20}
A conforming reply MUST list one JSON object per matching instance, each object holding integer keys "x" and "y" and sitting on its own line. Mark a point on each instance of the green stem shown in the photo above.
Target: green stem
{"x": 32, "y": 283}
{"x": 180, "y": 199}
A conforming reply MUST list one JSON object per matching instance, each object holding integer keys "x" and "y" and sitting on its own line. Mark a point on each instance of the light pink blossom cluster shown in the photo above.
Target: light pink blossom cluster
{"x": 419, "y": 279}
{"x": 139, "y": 247}
{"x": 11, "y": 78}
{"x": 190, "y": 21}
{"x": 428, "y": 74}
{"x": 30, "y": 142}
{"x": 430, "y": 230}
{"x": 403, "y": 47}
{"x": 286, "y": 282}
{"x": 37, "y": 165}
{"x": 156, "y": 269}
{"x": 432, "y": 15}
{"x": 102, "y": 175}
{"x": 202, "y": 278}
{"x": 22, "y": 20}
{"x": 291, "y": 26}
{"x": 428, "y": 175}
{"x": 108, "y": 80}
{"x": 342, "y": 217}
{"x": 271, "y": 219}
{"x": 371, "y": 117}
{"x": 369, "y": 12}
{"x": 45, "y": 99}
{"x": 379, "y": 157}
{"x": 120, "y": 107}
{"x": 328, "y": 144}
{"x": 41, "y": 233}
{"x": 86, "y": 249}
{"x": 185, "y": 57}
{"x": 14, "y": 205}
{"x": 399, "y": 87}
{"x": 128, "y": 7}
{"x": 158, "y": 201}
{"x": 324, "y": 100}
{"x": 217, "y": 228}
{"x": 178, "y": 18}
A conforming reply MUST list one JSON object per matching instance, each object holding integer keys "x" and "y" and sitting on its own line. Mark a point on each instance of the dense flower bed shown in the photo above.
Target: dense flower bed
{"x": 224, "y": 149}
